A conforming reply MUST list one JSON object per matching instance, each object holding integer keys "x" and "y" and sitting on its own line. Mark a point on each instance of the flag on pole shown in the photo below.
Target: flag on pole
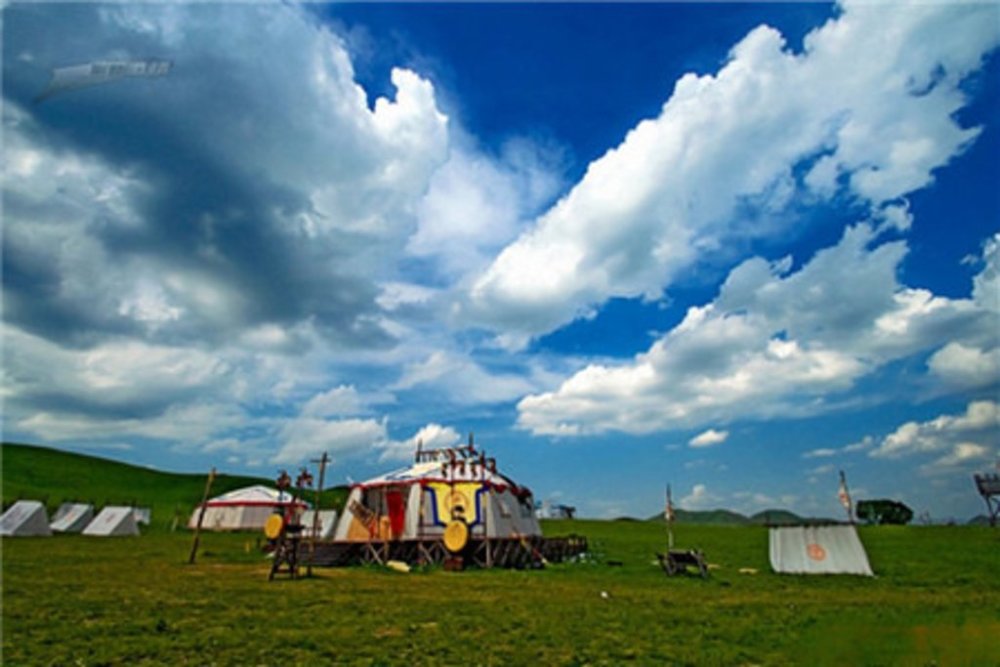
{"x": 845, "y": 497}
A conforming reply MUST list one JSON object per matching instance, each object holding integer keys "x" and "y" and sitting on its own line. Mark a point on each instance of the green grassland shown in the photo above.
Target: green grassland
{"x": 73, "y": 600}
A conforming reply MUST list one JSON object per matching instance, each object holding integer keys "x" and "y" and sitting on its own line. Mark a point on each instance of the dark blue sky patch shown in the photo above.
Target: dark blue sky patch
{"x": 583, "y": 74}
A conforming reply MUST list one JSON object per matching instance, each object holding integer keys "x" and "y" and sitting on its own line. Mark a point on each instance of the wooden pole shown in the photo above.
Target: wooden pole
{"x": 201, "y": 516}
{"x": 670, "y": 520}
{"x": 315, "y": 527}
{"x": 487, "y": 509}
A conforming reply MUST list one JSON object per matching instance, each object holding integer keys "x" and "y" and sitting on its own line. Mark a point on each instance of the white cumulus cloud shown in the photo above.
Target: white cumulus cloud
{"x": 431, "y": 436}
{"x": 772, "y": 343}
{"x": 966, "y": 367}
{"x": 975, "y": 433}
{"x": 306, "y": 437}
{"x": 709, "y": 438}
{"x": 874, "y": 95}
{"x": 462, "y": 379}
{"x": 700, "y": 498}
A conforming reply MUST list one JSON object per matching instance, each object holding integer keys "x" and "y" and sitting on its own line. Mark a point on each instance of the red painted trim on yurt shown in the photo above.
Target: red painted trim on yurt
{"x": 254, "y": 503}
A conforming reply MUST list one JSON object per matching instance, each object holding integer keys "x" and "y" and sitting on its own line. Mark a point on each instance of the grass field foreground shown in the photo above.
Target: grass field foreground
{"x": 71, "y": 600}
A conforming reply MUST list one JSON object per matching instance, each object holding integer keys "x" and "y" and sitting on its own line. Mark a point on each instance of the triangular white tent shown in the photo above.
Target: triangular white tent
{"x": 25, "y": 518}
{"x": 418, "y": 502}
{"x": 72, "y": 517}
{"x": 61, "y": 512}
{"x": 327, "y": 523}
{"x": 243, "y": 509}
{"x": 818, "y": 550}
{"x": 113, "y": 521}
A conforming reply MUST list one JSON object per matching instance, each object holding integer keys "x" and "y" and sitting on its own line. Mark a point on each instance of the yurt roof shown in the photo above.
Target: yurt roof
{"x": 257, "y": 494}
{"x": 448, "y": 470}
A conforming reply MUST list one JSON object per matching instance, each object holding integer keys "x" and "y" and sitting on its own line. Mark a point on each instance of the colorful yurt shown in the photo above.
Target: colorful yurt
{"x": 244, "y": 509}
{"x": 408, "y": 513}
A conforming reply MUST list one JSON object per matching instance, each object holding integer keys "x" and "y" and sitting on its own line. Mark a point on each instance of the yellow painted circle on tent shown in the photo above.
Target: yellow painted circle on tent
{"x": 273, "y": 526}
{"x": 456, "y": 536}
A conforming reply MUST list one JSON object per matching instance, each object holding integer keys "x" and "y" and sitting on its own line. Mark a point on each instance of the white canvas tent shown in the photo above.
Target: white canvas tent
{"x": 327, "y": 523}
{"x": 72, "y": 517}
{"x": 418, "y": 502}
{"x": 818, "y": 550}
{"x": 25, "y": 518}
{"x": 113, "y": 521}
{"x": 244, "y": 509}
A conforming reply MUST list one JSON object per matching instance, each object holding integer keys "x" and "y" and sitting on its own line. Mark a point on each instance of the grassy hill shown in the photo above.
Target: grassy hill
{"x": 721, "y": 517}
{"x": 718, "y": 517}
{"x": 54, "y": 476}
{"x": 776, "y": 518}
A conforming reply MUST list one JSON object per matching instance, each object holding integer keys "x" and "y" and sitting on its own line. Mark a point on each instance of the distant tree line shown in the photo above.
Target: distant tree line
{"x": 884, "y": 511}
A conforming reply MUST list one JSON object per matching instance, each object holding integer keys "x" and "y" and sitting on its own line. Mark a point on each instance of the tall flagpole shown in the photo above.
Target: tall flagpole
{"x": 668, "y": 514}
{"x": 322, "y": 461}
{"x": 845, "y": 497}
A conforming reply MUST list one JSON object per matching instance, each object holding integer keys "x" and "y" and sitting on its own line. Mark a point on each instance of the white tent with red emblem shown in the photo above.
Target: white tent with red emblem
{"x": 833, "y": 549}
{"x": 418, "y": 502}
{"x": 244, "y": 509}
{"x": 72, "y": 517}
{"x": 25, "y": 518}
{"x": 113, "y": 521}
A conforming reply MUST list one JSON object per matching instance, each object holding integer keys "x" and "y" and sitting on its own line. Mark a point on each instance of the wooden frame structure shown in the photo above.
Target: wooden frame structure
{"x": 989, "y": 488}
{"x": 514, "y": 552}
{"x": 286, "y": 557}
{"x": 675, "y": 561}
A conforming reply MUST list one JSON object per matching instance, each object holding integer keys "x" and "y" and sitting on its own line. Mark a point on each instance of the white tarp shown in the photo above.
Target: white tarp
{"x": 818, "y": 550}
{"x": 25, "y": 518}
{"x": 143, "y": 515}
{"x": 327, "y": 522}
{"x": 72, "y": 517}
{"x": 113, "y": 520}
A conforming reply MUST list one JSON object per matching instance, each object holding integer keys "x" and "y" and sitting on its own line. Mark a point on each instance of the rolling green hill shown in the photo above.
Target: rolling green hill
{"x": 718, "y": 517}
{"x": 722, "y": 517}
{"x": 777, "y": 518}
{"x": 54, "y": 476}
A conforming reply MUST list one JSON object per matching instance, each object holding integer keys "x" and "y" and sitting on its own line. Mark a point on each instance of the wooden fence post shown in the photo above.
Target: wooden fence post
{"x": 201, "y": 516}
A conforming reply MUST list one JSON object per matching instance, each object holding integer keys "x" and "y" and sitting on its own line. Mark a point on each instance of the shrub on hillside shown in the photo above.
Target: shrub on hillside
{"x": 884, "y": 511}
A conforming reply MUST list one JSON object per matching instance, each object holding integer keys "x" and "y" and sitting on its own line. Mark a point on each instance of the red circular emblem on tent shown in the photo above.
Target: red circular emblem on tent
{"x": 815, "y": 551}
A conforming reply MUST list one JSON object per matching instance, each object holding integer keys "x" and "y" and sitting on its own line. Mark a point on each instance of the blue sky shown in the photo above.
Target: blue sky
{"x": 735, "y": 248}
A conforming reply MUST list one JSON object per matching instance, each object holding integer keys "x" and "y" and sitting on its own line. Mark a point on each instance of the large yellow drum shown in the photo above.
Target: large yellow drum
{"x": 274, "y": 526}
{"x": 456, "y": 536}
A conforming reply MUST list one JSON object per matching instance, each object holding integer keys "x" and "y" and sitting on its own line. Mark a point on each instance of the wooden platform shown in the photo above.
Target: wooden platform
{"x": 520, "y": 553}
